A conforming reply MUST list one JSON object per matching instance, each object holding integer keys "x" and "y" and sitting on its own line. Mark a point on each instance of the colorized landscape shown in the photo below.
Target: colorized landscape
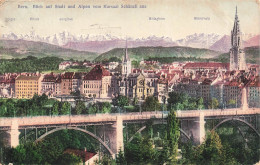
{"x": 160, "y": 86}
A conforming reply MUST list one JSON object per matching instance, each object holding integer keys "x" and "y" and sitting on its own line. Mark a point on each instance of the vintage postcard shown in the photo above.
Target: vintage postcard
{"x": 129, "y": 82}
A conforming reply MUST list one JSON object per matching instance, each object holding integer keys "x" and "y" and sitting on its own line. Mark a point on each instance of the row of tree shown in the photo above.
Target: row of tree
{"x": 41, "y": 105}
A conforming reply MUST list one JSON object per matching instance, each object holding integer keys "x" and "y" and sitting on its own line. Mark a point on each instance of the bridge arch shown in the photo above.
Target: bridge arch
{"x": 141, "y": 129}
{"x": 78, "y": 129}
{"x": 236, "y": 119}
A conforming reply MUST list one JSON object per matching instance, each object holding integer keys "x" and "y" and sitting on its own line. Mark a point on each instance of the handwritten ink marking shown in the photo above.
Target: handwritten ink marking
{"x": 48, "y": 6}
{"x": 142, "y": 6}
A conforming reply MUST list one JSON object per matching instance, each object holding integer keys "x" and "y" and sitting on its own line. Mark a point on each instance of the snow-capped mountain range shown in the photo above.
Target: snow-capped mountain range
{"x": 103, "y": 43}
{"x": 201, "y": 40}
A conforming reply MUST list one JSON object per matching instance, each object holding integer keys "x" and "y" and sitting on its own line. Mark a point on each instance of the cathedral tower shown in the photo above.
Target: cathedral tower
{"x": 126, "y": 64}
{"x": 237, "y": 55}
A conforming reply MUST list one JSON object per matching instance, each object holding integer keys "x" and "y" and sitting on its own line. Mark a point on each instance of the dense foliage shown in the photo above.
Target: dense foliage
{"x": 153, "y": 52}
{"x": 51, "y": 149}
{"x": 30, "y": 64}
{"x": 120, "y": 101}
{"x": 181, "y": 101}
{"x": 211, "y": 151}
{"x": 37, "y": 106}
{"x": 151, "y": 104}
{"x": 99, "y": 107}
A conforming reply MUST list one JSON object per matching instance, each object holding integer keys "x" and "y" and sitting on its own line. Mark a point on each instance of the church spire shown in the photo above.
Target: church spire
{"x": 126, "y": 63}
{"x": 236, "y": 32}
{"x": 126, "y": 58}
{"x": 237, "y": 55}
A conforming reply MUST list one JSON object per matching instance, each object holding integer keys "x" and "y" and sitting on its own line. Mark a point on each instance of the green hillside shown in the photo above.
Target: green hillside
{"x": 146, "y": 52}
{"x": 252, "y": 55}
{"x": 21, "y": 48}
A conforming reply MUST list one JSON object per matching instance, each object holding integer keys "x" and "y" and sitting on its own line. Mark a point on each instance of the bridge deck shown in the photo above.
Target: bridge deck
{"x": 108, "y": 118}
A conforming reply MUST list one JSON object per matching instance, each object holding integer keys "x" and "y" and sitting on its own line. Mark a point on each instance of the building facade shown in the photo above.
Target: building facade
{"x": 26, "y": 86}
{"x": 97, "y": 83}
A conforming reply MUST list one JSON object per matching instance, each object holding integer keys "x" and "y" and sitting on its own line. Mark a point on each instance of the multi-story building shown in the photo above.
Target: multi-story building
{"x": 193, "y": 67}
{"x": 142, "y": 85}
{"x": 57, "y": 86}
{"x": 232, "y": 91}
{"x": 7, "y": 85}
{"x": 97, "y": 83}
{"x": 253, "y": 92}
{"x": 26, "y": 86}
{"x": 48, "y": 85}
{"x": 66, "y": 83}
{"x": 70, "y": 82}
{"x": 64, "y": 65}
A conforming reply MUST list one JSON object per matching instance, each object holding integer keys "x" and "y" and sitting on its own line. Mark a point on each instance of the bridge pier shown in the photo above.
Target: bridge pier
{"x": 115, "y": 136}
{"x": 195, "y": 128}
{"x": 244, "y": 104}
{"x": 201, "y": 128}
{"x": 14, "y": 134}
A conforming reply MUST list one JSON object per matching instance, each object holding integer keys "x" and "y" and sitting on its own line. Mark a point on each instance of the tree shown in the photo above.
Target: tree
{"x": 231, "y": 103}
{"x": 178, "y": 98}
{"x": 120, "y": 101}
{"x": 11, "y": 108}
{"x": 55, "y": 108}
{"x": 200, "y": 103}
{"x": 106, "y": 160}
{"x": 105, "y": 107}
{"x": 135, "y": 101}
{"x": 69, "y": 159}
{"x": 213, "y": 104}
{"x": 211, "y": 151}
{"x": 173, "y": 134}
{"x": 93, "y": 108}
{"x": 3, "y": 111}
{"x": 140, "y": 150}
{"x": 151, "y": 104}
{"x": 80, "y": 106}
{"x": 65, "y": 108}
{"x": 120, "y": 158}
{"x": 147, "y": 150}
